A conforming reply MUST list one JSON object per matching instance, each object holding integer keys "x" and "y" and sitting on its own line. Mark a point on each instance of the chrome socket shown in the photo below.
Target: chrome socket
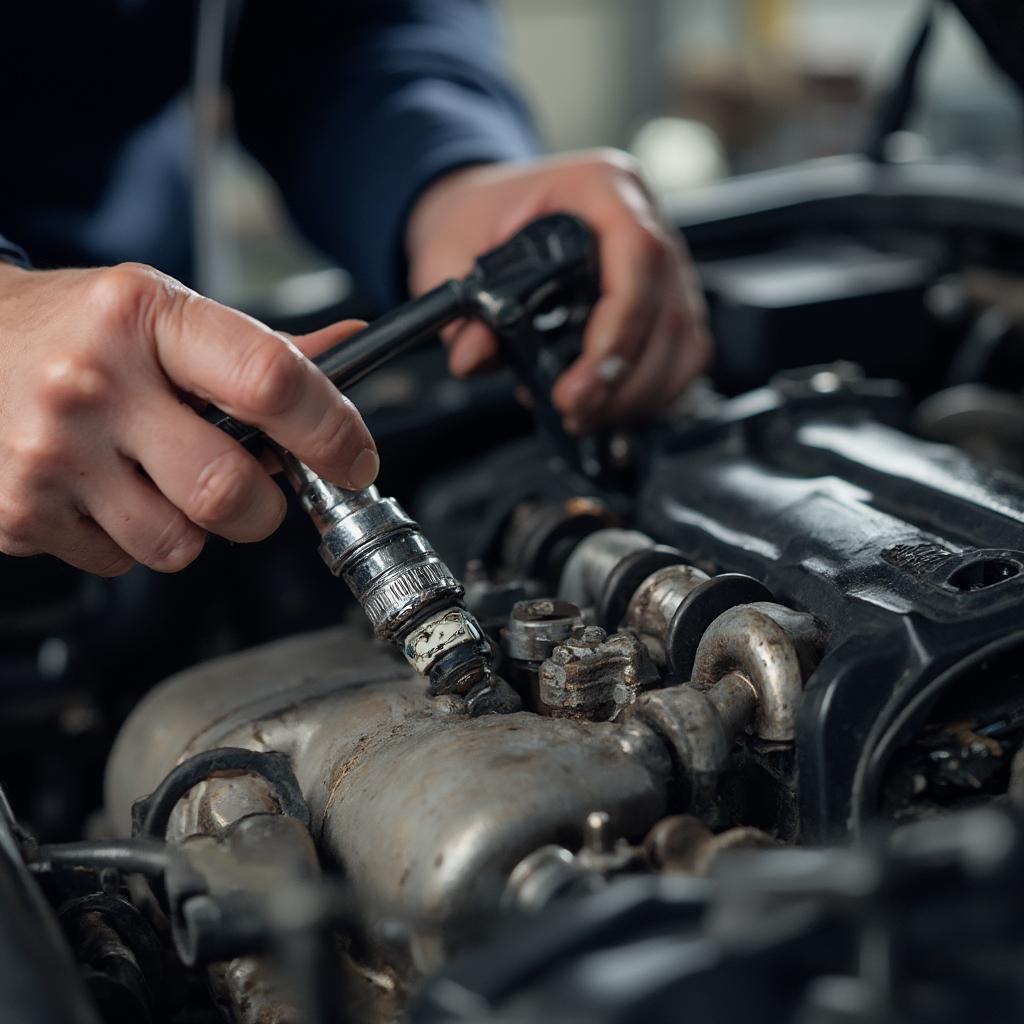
{"x": 410, "y": 596}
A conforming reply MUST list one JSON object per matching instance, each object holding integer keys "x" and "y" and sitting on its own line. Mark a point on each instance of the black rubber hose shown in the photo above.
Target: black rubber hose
{"x": 131, "y": 856}
{"x": 151, "y": 814}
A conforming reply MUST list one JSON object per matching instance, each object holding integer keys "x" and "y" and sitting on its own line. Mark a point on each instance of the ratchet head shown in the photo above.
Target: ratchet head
{"x": 536, "y": 292}
{"x": 551, "y": 264}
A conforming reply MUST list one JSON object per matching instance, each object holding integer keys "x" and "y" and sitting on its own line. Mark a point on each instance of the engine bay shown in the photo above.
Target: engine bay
{"x": 753, "y": 737}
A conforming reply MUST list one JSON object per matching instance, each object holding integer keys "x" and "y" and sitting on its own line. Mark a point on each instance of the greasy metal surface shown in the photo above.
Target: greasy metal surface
{"x": 535, "y": 627}
{"x": 736, "y": 700}
{"x": 766, "y": 937}
{"x": 594, "y": 676}
{"x": 700, "y": 728}
{"x": 256, "y": 849}
{"x": 425, "y": 810}
{"x": 545, "y": 874}
{"x": 217, "y": 802}
{"x": 656, "y": 600}
{"x": 552, "y": 872}
{"x": 683, "y": 844}
{"x": 838, "y": 512}
{"x": 748, "y": 640}
{"x": 593, "y": 559}
{"x": 173, "y": 714}
{"x": 246, "y": 989}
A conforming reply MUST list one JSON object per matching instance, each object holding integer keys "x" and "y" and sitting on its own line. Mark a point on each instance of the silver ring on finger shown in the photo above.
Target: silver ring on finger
{"x": 612, "y": 369}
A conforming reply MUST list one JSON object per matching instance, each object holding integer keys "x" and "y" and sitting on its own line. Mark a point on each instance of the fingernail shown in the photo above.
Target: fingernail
{"x": 363, "y": 470}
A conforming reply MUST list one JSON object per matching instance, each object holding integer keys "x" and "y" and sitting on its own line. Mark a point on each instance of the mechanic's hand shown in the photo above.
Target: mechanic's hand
{"x": 647, "y": 336}
{"x": 102, "y": 460}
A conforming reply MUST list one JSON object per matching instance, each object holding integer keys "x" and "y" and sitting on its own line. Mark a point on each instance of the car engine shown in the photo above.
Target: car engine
{"x": 752, "y": 736}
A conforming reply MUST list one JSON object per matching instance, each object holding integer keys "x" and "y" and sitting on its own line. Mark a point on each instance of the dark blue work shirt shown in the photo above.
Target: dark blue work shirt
{"x": 353, "y": 106}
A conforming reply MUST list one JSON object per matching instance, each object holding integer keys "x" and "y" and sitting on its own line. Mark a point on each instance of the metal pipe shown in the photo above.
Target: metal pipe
{"x": 655, "y": 602}
{"x": 592, "y": 561}
{"x": 142, "y": 856}
{"x": 771, "y": 647}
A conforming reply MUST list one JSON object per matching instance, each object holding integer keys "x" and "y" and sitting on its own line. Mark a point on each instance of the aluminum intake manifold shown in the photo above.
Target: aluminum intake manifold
{"x": 423, "y": 807}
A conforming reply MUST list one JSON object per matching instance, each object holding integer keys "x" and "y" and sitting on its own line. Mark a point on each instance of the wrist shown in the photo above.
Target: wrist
{"x": 426, "y": 216}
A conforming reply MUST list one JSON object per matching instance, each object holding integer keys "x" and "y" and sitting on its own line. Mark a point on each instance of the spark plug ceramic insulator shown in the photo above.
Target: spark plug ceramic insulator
{"x": 407, "y": 592}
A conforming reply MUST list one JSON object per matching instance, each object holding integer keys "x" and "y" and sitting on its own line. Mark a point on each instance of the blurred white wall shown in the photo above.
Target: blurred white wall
{"x": 597, "y": 69}
{"x": 581, "y": 64}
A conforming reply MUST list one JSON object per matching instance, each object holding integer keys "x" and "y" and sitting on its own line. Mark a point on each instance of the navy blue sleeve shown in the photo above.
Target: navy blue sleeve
{"x": 11, "y": 253}
{"x": 356, "y": 108}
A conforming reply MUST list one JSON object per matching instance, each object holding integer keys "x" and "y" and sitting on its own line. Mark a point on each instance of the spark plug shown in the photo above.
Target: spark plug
{"x": 407, "y": 592}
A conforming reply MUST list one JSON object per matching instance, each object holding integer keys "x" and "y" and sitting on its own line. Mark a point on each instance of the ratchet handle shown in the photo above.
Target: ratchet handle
{"x": 350, "y": 361}
{"x": 535, "y": 292}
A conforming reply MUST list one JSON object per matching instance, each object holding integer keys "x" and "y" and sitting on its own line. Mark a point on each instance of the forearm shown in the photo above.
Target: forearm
{"x": 414, "y": 92}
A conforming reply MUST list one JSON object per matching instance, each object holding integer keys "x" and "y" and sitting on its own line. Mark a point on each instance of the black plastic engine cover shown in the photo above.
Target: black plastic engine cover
{"x": 910, "y": 553}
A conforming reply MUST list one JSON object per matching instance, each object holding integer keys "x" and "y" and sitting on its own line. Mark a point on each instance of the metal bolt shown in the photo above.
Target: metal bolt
{"x": 597, "y": 836}
{"x": 542, "y": 608}
{"x": 561, "y": 656}
{"x": 536, "y": 627}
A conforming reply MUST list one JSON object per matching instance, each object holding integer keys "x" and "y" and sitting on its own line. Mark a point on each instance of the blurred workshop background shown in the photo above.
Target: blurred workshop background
{"x": 697, "y": 89}
{"x": 775, "y": 81}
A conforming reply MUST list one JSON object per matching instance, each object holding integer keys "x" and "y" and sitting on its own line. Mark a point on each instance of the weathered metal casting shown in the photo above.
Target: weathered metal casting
{"x": 593, "y": 559}
{"x": 656, "y": 601}
{"x": 749, "y": 672}
{"x": 425, "y": 808}
{"x": 536, "y": 627}
{"x": 595, "y": 676}
{"x": 773, "y": 649}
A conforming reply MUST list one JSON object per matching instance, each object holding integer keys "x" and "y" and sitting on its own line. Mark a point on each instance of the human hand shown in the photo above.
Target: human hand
{"x": 103, "y": 461}
{"x": 647, "y": 337}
